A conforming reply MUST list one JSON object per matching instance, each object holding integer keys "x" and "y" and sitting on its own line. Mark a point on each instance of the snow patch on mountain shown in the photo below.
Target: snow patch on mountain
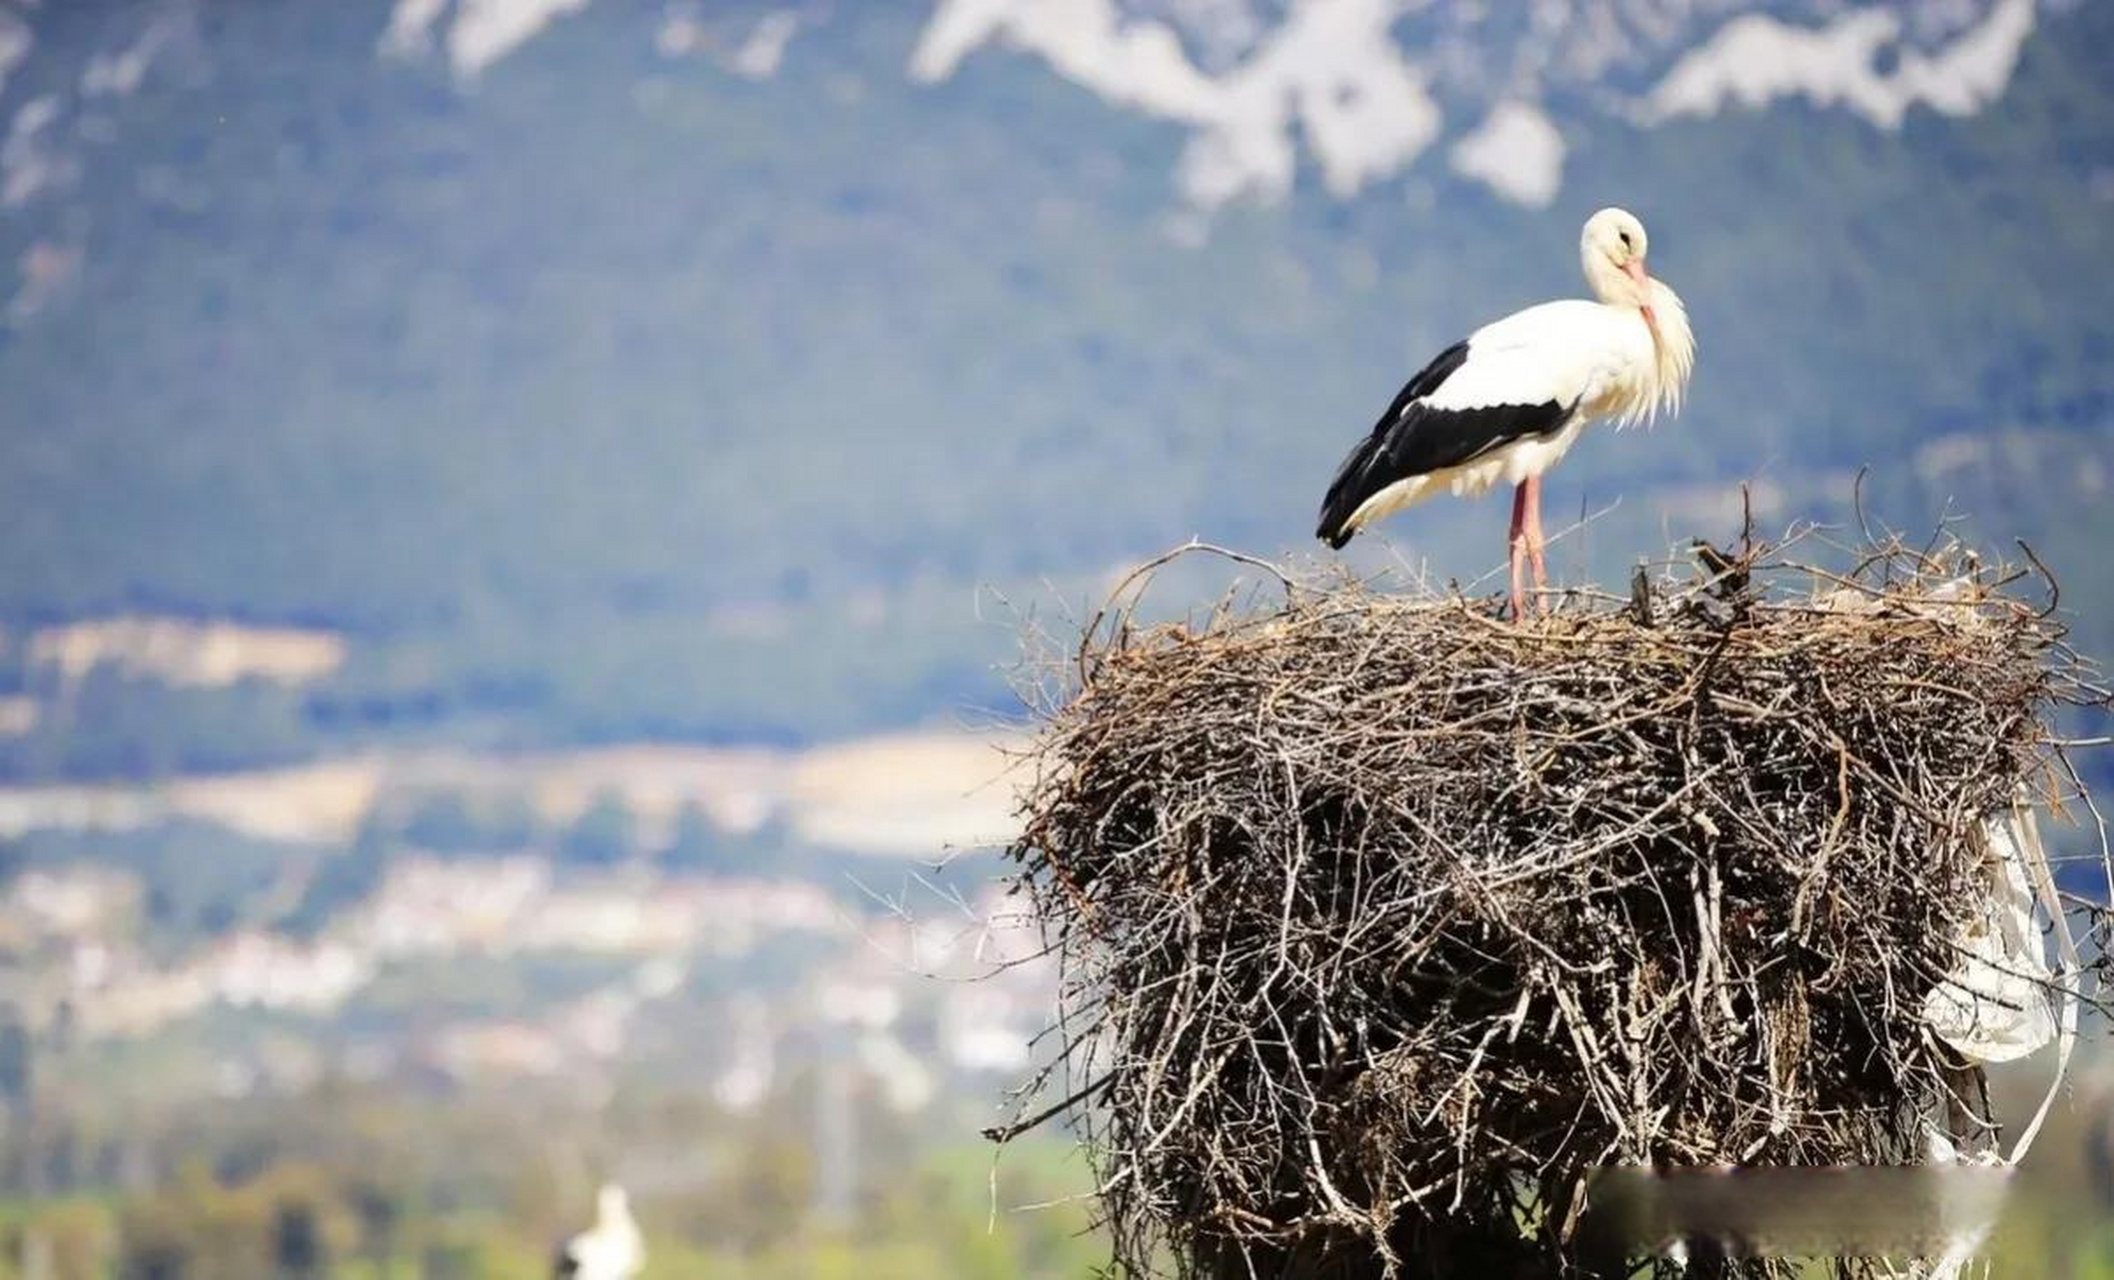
{"x": 760, "y": 54}
{"x": 1367, "y": 83}
{"x": 1090, "y": 42}
{"x": 410, "y": 29}
{"x": 1516, "y": 152}
{"x": 120, "y": 72}
{"x": 48, "y": 141}
{"x": 1329, "y": 72}
{"x": 30, "y": 160}
{"x": 1755, "y": 60}
{"x": 482, "y": 32}
{"x": 1218, "y": 33}
{"x": 15, "y": 42}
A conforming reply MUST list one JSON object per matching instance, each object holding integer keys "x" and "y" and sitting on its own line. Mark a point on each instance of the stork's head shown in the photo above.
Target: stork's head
{"x": 611, "y": 1204}
{"x": 1612, "y": 249}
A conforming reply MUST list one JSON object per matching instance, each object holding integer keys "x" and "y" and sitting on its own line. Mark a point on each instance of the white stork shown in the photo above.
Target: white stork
{"x": 1508, "y": 401}
{"x": 612, "y": 1249}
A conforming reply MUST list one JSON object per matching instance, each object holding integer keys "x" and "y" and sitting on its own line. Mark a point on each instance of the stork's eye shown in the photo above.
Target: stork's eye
{"x": 1625, "y": 238}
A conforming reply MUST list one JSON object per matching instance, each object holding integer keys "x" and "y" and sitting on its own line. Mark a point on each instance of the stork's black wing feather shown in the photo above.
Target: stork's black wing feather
{"x": 1427, "y": 380}
{"x": 1414, "y": 439}
{"x": 564, "y": 1262}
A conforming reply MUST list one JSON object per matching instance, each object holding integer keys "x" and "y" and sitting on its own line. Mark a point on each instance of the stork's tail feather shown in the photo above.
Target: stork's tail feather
{"x": 1351, "y": 487}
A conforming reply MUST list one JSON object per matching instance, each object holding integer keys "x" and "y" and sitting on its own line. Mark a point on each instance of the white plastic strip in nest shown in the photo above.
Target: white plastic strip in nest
{"x": 2032, "y": 860}
{"x": 1995, "y": 1005}
{"x": 2004, "y": 1002}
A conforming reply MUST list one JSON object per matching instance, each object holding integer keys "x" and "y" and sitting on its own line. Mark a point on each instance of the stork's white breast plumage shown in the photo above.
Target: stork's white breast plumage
{"x": 1507, "y": 403}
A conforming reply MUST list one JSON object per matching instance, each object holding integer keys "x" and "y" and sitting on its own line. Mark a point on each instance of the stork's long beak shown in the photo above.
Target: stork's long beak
{"x": 1634, "y": 269}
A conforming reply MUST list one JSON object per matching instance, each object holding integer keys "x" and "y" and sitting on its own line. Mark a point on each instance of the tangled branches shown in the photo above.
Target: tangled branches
{"x": 1384, "y": 922}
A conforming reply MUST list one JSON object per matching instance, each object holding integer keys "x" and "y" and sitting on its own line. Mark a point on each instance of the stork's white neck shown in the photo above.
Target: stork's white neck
{"x": 1652, "y": 303}
{"x": 1610, "y": 283}
{"x": 1674, "y": 345}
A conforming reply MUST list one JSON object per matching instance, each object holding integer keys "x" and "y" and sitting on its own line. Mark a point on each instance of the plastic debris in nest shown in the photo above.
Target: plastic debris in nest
{"x": 1998, "y": 1006}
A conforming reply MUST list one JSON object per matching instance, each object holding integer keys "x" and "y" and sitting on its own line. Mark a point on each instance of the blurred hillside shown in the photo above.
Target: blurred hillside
{"x": 600, "y": 372}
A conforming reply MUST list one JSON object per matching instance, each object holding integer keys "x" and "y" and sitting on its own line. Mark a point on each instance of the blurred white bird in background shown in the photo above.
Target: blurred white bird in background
{"x": 612, "y": 1249}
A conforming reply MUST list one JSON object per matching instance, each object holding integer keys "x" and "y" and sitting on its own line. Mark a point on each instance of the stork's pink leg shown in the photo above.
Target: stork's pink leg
{"x": 1516, "y": 547}
{"x": 1532, "y": 487}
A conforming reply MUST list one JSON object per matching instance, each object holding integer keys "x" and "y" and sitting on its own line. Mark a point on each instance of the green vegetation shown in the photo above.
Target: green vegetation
{"x": 354, "y": 1185}
{"x": 350, "y": 1184}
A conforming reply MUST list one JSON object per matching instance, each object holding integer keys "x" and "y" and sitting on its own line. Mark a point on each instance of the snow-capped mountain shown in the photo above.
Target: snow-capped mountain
{"x": 1366, "y": 90}
{"x": 1370, "y": 86}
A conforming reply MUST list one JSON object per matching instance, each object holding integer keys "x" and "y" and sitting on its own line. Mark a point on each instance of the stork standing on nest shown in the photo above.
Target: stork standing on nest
{"x": 1508, "y": 401}
{"x": 612, "y": 1249}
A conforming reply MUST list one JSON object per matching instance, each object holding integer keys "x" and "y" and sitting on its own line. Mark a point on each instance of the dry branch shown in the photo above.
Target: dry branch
{"x": 1383, "y": 921}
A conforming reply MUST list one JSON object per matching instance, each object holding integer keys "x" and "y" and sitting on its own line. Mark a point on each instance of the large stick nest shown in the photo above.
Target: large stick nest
{"x": 1383, "y": 921}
